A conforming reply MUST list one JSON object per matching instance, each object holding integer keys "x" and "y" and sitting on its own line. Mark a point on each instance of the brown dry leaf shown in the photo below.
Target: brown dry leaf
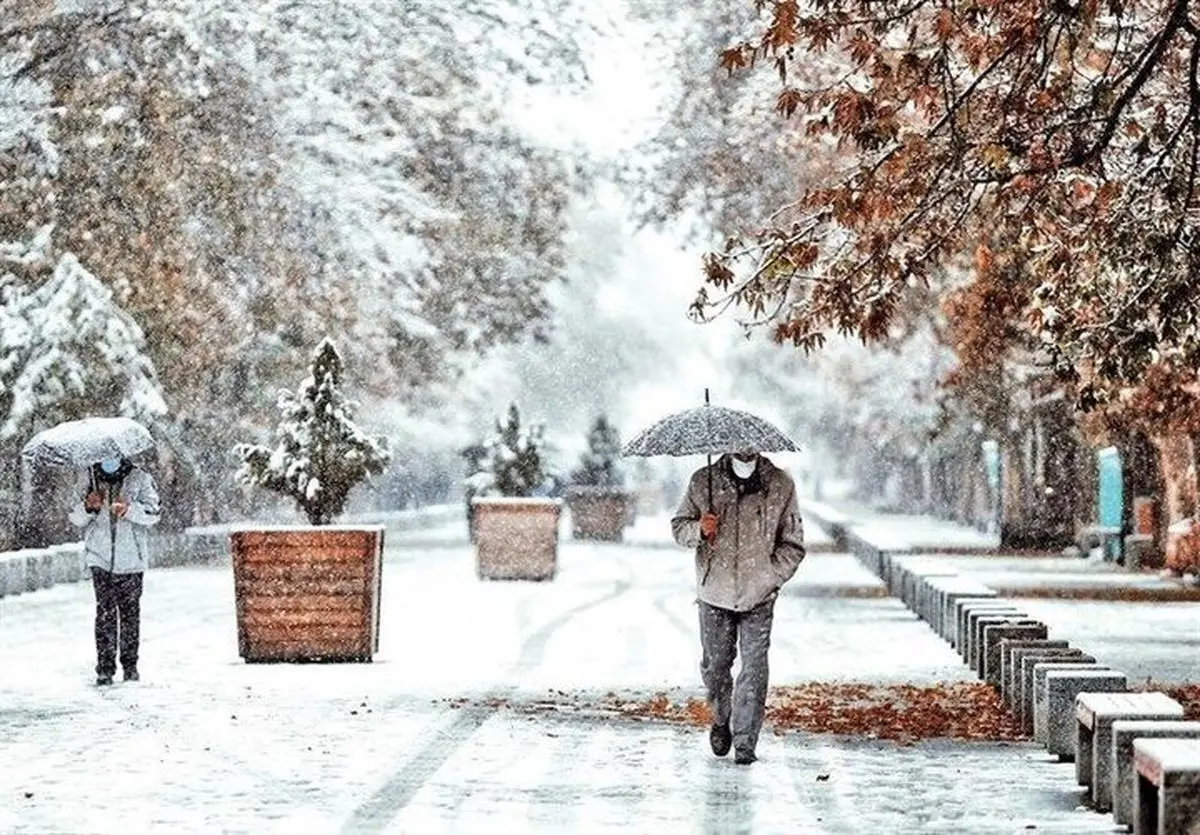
{"x": 1187, "y": 695}
{"x": 904, "y": 713}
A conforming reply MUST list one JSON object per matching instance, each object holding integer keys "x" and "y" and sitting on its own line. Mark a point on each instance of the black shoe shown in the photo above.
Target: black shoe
{"x": 720, "y": 739}
{"x": 103, "y": 681}
{"x": 131, "y": 674}
{"x": 744, "y": 757}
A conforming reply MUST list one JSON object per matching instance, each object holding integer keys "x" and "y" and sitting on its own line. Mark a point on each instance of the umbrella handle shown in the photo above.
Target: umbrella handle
{"x": 710, "y": 501}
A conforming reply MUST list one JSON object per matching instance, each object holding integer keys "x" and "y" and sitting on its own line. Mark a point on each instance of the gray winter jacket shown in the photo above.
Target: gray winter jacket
{"x": 760, "y": 537}
{"x": 119, "y": 545}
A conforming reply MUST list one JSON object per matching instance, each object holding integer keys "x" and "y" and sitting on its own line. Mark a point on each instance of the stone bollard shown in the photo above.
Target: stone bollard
{"x": 913, "y": 574}
{"x": 1062, "y": 688}
{"x": 1166, "y": 795}
{"x": 962, "y": 613}
{"x": 46, "y": 568}
{"x": 33, "y": 569}
{"x": 12, "y": 574}
{"x": 971, "y": 625}
{"x": 948, "y": 591}
{"x": 1124, "y": 732}
{"x": 993, "y": 638}
{"x": 1096, "y": 713}
{"x": 1043, "y": 651}
{"x": 976, "y": 651}
{"x": 1035, "y": 687}
{"x": 68, "y": 560}
{"x": 1008, "y": 646}
{"x": 1140, "y": 551}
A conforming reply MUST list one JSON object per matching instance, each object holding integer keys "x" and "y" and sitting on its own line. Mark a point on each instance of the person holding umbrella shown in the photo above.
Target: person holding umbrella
{"x": 741, "y": 516}
{"x": 116, "y": 503}
{"x": 749, "y": 541}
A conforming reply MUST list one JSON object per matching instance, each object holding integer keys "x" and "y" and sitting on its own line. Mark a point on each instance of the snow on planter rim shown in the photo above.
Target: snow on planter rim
{"x": 242, "y": 527}
{"x": 530, "y": 500}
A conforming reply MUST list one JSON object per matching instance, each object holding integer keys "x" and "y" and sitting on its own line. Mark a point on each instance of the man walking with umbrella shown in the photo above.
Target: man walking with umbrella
{"x": 741, "y": 516}
{"x": 116, "y": 504}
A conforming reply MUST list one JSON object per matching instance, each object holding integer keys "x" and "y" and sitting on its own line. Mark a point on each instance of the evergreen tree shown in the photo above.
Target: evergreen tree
{"x": 599, "y": 466}
{"x": 67, "y": 350}
{"x": 322, "y": 454}
{"x": 513, "y": 465}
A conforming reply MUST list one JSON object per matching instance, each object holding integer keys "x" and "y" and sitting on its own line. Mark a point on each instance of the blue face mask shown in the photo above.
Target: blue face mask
{"x": 110, "y": 465}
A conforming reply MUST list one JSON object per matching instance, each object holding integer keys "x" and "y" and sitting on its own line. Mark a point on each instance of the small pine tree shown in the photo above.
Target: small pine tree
{"x": 599, "y": 466}
{"x": 513, "y": 465}
{"x": 322, "y": 454}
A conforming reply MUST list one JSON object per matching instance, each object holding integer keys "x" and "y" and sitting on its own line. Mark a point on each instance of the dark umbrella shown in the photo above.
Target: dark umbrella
{"x": 709, "y": 430}
{"x": 81, "y": 443}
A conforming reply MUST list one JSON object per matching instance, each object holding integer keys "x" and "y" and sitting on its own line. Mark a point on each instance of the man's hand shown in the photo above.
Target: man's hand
{"x": 92, "y": 501}
{"x": 119, "y": 506}
{"x": 708, "y": 526}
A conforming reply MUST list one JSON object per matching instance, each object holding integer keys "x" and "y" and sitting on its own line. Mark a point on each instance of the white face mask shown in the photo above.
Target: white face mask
{"x": 744, "y": 469}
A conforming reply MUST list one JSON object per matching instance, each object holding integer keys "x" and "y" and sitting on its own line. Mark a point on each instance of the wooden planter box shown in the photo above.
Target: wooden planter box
{"x": 599, "y": 512}
{"x": 516, "y": 539}
{"x": 307, "y": 593}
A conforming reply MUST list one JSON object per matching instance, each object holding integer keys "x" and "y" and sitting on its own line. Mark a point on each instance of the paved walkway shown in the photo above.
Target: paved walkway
{"x": 206, "y": 743}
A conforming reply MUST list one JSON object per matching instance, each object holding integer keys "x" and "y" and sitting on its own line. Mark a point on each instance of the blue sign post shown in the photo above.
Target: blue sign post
{"x": 991, "y": 465}
{"x": 1110, "y": 500}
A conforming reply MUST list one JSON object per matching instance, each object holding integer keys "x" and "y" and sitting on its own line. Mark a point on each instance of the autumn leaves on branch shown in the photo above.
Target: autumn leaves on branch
{"x": 1064, "y": 135}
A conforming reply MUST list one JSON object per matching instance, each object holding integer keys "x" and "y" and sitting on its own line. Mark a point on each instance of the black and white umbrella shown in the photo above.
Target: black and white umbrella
{"x": 709, "y": 430}
{"x": 81, "y": 443}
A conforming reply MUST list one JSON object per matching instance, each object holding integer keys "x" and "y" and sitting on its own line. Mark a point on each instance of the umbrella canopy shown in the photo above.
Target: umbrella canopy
{"x": 709, "y": 430}
{"x": 81, "y": 443}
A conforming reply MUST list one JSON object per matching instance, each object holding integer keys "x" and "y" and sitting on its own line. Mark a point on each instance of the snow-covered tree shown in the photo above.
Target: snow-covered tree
{"x": 67, "y": 349}
{"x": 600, "y": 465}
{"x": 511, "y": 463}
{"x": 717, "y": 155}
{"x": 253, "y": 176}
{"x": 321, "y": 452}
{"x": 1038, "y": 127}
{"x": 864, "y": 413}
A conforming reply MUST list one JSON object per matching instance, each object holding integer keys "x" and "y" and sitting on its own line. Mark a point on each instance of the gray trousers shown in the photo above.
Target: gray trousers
{"x": 741, "y": 706}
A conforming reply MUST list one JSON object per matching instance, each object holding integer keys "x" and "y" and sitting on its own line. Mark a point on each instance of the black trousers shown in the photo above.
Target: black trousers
{"x": 118, "y": 619}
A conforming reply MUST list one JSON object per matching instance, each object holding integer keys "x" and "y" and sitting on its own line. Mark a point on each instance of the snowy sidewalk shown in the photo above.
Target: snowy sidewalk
{"x": 206, "y": 743}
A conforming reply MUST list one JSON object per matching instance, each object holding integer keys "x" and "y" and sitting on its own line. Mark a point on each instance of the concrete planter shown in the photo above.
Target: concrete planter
{"x": 599, "y": 512}
{"x": 516, "y": 539}
{"x": 307, "y": 593}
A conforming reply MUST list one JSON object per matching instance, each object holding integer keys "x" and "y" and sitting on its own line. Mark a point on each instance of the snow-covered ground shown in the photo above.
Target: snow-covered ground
{"x": 207, "y": 743}
{"x": 924, "y": 532}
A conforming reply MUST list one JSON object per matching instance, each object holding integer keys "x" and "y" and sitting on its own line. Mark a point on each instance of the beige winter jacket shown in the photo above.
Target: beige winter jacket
{"x": 760, "y": 537}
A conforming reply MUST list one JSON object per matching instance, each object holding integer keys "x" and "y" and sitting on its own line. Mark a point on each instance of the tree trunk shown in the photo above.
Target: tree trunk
{"x": 1194, "y": 440}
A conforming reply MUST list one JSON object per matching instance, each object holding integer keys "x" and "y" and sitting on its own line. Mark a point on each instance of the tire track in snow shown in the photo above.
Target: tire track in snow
{"x": 660, "y": 604}
{"x": 390, "y": 799}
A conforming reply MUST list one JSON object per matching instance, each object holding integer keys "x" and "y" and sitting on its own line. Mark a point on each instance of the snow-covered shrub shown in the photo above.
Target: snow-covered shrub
{"x": 322, "y": 454}
{"x": 600, "y": 465}
{"x": 512, "y": 463}
{"x": 67, "y": 349}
